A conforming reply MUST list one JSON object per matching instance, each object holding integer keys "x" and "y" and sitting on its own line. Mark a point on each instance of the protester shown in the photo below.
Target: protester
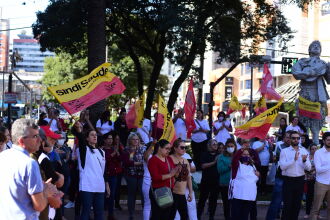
{"x": 91, "y": 163}
{"x": 182, "y": 181}
{"x": 294, "y": 126}
{"x": 209, "y": 187}
{"x": 224, "y": 169}
{"x": 23, "y": 194}
{"x": 255, "y": 160}
{"x": 277, "y": 196}
{"x": 120, "y": 126}
{"x": 243, "y": 187}
{"x": 221, "y": 128}
{"x": 263, "y": 149}
{"x": 118, "y": 145}
{"x": 191, "y": 206}
{"x": 3, "y": 141}
{"x": 294, "y": 161}
{"x": 310, "y": 181}
{"x": 145, "y": 131}
{"x": 281, "y": 130}
{"x": 6, "y": 132}
{"x": 199, "y": 138}
{"x": 48, "y": 171}
{"x": 322, "y": 184}
{"x": 113, "y": 168}
{"x": 180, "y": 125}
{"x": 132, "y": 158}
{"x": 221, "y": 148}
{"x": 162, "y": 171}
{"x": 147, "y": 181}
{"x": 52, "y": 120}
{"x": 104, "y": 124}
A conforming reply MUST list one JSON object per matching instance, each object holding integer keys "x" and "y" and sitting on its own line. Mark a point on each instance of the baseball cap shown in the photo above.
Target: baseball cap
{"x": 50, "y": 133}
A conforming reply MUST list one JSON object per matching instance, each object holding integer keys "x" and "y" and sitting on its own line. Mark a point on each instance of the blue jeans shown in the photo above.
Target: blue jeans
{"x": 87, "y": 200}
{"x": 277, "y": 198}
{"x": 134, "y": 186}
{"x": 112, "y": 180}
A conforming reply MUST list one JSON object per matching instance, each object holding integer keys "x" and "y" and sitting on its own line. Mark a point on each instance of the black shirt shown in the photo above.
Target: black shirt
{"x": 122, "y": 130}
{"x": 210, "y": 175}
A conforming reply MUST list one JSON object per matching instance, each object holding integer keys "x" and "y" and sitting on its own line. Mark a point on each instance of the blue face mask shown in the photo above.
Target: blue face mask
{"x": 245, "y": 159}
{"x": 221, "y": 118}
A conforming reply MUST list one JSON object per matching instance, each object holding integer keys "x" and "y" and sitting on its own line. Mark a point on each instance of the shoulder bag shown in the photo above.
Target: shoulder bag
{"x": 163, "y": 195}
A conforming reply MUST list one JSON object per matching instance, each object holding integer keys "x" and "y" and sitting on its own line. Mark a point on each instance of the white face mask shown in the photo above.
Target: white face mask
{"x": 221, "y": 118}
{"x": 230, "y": 150}
{"x": 60, "y": 142}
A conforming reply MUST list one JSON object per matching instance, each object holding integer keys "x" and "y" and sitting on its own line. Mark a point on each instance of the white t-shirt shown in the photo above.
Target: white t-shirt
{"x": 145, "y": 130}
{"x": 264, "y": 155}
{"x": 294, "y": 128}
{"x": 91, "y": 176}
{"x": 146, "y": 174}
{"x": 180, "y": 129}
{"x": 105, "y": 127}
{"x": 200, "y": 136}
{"x": 53, "y": 125}
{"x": 245, "y": 183}
{"x": 223, "y": 135}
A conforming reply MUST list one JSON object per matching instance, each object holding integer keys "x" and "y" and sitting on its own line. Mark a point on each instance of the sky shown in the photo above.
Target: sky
{"x": 21, "y": 13}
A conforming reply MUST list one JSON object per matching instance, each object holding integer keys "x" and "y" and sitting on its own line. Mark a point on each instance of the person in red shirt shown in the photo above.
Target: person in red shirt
{"x": 162, "y": 171}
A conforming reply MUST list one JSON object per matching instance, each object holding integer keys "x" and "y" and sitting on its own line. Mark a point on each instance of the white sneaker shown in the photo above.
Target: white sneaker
{"x": 69, "y": 205}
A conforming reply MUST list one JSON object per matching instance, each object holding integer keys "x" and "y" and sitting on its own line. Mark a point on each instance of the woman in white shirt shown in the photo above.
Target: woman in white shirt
{"x": 104, "y": 124}
{"x": 199, "y": 138}
{"x": 243, "y": 188}
{"x": 221, "y": 128}
{"x": 91, "y": 163}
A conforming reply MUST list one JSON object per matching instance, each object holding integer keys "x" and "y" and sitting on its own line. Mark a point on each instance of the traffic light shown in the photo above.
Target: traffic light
{"x": 287, "y": 63}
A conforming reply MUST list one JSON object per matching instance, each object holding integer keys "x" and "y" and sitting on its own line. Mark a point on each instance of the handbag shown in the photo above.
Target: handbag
{"x": 163, "y": 195}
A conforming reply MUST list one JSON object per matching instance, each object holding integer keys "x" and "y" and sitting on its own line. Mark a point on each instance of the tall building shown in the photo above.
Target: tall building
{"x": 29, "y": 49}
{"x": 4, "y": 43}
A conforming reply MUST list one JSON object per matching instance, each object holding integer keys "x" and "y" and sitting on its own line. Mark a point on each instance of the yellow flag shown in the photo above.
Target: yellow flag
{"x": 134, "y": 117}
{"x": 168, "y": 129}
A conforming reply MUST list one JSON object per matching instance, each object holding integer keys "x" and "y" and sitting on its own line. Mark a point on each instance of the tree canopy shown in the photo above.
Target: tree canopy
{"x": 174, "y": 29}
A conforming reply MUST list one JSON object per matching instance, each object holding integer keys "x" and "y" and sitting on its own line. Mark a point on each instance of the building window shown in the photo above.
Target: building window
{"x": 248, "y": 84}
{"x": 241, "y": 86}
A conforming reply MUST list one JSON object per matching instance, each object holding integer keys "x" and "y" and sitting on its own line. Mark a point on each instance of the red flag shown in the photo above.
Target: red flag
{"x": 190, "y": 108}
{"x": 266, "y": 88}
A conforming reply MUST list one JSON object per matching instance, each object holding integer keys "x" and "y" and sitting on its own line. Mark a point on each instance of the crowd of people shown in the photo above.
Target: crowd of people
{"x": 38, "y": 169}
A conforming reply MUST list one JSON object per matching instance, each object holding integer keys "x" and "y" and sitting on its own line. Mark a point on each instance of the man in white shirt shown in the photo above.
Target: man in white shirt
{"x": 180, "y": 125}
{"x": 322, "y": 183}
{"x": 294, "y": 161}
{"x": 52, "y": 120}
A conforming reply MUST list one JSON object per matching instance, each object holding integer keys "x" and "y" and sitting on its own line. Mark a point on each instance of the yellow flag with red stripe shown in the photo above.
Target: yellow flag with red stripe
{"x": 168, "y": 129}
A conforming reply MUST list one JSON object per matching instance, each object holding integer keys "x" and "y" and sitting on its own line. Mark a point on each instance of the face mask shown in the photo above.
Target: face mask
{"x": 230, "y": 150}
{"x": 220, "y": 118}
{"x": 60, "y": 142}
{"x": 245, "y": 159}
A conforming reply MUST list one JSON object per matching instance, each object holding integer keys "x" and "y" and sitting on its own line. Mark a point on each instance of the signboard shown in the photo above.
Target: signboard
{"x": 325, "y": 8}
{"x": 10, "y": 97}
{"x": 229, "y": 80}
{"x": 228, "y": 92}
{"x": 287, "y": 63}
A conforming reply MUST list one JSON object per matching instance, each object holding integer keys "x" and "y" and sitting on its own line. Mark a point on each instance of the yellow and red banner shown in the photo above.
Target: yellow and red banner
{"x": 86, "y": 91}
{"x": 134, "y": 117}
{"x": 260, "y": 125}
{"x": 168, "y": 130}
{"x": 260, "y": 106}
{"x": 309, "y": 109}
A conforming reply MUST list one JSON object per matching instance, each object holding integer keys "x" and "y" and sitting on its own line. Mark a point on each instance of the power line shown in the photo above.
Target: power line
{"x": 12, "y": 29}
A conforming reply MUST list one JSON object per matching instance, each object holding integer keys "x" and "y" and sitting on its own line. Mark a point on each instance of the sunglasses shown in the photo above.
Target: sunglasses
{"x": 295, "y": 138}
{"x": 183, "y": 147}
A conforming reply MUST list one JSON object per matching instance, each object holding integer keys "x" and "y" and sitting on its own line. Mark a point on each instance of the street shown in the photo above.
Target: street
{"x": 122, "y": 215}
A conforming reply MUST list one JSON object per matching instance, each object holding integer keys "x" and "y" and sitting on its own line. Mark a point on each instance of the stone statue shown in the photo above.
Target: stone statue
{"x": 312, "y": 73}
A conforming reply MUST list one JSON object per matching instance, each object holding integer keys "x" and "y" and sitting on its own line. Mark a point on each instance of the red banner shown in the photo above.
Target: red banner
{"x": 266, "y": 89}
{"x": 190, "y": 108}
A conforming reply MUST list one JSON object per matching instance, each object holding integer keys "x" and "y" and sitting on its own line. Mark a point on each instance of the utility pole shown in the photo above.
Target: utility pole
{"x": 251, "y": 92}
{"x": 201, "y": 77}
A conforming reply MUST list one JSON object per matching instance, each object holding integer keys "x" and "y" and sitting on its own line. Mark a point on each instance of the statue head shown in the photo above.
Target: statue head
{"x": 315, "y": 48}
